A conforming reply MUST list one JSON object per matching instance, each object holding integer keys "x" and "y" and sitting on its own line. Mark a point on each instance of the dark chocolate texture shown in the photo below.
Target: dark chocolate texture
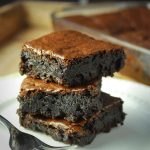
{"x": 55, "y": 101}
{"x": 70, "y": 58}
{"x": 82, "y": 132}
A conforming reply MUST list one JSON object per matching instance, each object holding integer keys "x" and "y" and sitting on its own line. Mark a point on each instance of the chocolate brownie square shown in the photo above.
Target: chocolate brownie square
{"x": 55, "y": 101}
{"x": 82, "y": 20}
{"x": 70, "y": 58}
{"x": 82, "y": 132}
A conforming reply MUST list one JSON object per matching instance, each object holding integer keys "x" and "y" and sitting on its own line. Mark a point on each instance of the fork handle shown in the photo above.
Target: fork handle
{"x": 6, "y": 123}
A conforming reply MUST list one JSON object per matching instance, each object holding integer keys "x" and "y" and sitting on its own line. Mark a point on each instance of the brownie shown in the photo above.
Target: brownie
{"x": 110, "y": 23}
{"x": 114, "y": 23}
{"x": 70, "y": 58}
{"x": 82, "y": 132}
{"x": 55, "y": 101}
{"x": 137, "y": 16}
{"x": 82, "y": 20}
{"x": 140, "y": 37}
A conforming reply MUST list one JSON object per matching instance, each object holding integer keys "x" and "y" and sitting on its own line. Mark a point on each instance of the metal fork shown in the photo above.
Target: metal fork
{"x": 23, "y": 141}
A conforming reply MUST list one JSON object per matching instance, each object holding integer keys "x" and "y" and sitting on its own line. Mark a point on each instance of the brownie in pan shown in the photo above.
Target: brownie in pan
{"x": 55, "y": 101}
{"x": 140, "y": 37}
{"x": 82, "y": 132}
{"x": 70, "y": 58}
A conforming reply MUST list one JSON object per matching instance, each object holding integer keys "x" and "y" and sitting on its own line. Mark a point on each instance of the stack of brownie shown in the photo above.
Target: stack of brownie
{"x": 61, "y": 94}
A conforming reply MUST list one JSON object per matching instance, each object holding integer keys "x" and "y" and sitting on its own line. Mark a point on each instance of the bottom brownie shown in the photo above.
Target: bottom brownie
{"x": 82, "y": 132}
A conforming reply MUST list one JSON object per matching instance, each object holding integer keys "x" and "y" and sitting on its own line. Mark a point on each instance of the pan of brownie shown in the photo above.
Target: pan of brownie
{"x": 70, "y": 58}
{"x": 55, "y": 101}
{"x": 81, "y": 132}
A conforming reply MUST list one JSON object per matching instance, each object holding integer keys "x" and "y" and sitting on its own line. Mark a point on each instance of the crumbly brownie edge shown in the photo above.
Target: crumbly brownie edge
{"x": 58, "y": 134}
{"x": 41, "y": 66}
{"x": 93, "y": 67}
{"x": 78, "y": 71}
{"x": 70, "y": 106}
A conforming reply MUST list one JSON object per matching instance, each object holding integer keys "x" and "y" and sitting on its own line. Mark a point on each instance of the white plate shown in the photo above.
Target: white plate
{"x": 134, "y": 134}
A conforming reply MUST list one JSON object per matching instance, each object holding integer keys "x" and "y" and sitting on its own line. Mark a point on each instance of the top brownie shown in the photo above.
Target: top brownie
{"x": 70, "y": 58}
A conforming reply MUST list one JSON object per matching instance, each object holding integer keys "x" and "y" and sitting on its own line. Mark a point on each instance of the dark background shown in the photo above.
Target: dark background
{"x": 3, "y": 2}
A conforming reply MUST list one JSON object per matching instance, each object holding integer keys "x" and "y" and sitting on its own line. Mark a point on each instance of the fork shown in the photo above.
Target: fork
{"x": 22, "y": 141}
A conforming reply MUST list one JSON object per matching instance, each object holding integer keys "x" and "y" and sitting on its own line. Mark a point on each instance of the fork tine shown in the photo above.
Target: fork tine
{"x": 6, "y": 122}
{"x": 42, "y": 147}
